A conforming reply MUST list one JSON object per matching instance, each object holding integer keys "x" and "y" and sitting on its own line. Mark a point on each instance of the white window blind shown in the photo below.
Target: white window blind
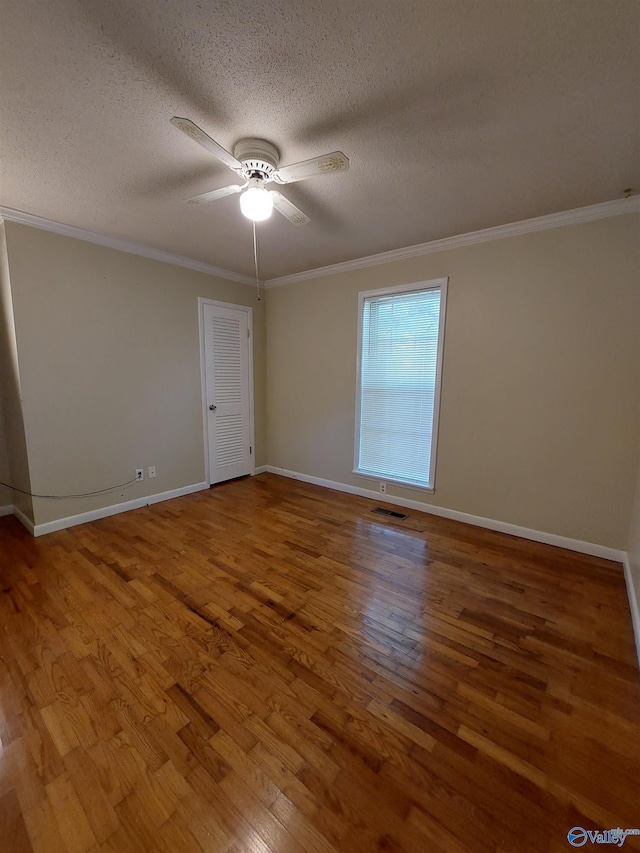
{"x": 400, "y": 353}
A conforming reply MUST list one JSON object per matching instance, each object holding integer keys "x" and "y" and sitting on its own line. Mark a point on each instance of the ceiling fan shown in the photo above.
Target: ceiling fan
{"x": 256, "y": 162}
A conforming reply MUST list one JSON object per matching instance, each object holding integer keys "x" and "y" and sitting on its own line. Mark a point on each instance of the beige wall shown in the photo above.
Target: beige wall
{"x": 6, "y": 498}
{"x": 109, "y": 354}
{"x": 13, "y": 450}
{"x": 633, "y": 551}
{"x": 541, "y": 382}
{"x": 541, "y": 386}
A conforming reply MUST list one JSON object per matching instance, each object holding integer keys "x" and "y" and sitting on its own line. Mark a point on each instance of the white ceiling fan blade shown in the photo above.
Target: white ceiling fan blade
{"x": 215, "y": 194}
{"x": 194, "y": 132}
{"x": 288, "y": 209}
{"x": 334, "y": 162}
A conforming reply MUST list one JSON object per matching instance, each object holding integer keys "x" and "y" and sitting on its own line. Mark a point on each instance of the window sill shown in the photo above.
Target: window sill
{"x": 380, "y": 478}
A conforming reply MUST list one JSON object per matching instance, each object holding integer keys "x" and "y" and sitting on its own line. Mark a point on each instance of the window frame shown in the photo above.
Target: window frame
{"x": 416, "y": 286}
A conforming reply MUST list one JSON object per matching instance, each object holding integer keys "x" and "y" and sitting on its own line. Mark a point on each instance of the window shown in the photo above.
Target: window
{"x": 400, "y": 338}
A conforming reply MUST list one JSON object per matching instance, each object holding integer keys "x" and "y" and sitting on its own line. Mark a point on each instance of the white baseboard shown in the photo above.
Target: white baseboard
{"x": 634, "y": 603}
{"x": 489, "y": 523}
{"x": 6, "y": 510}
{"x": 114, "y": 509}
{"x": 22, "y": 518}
{"x": 261, "y": 470}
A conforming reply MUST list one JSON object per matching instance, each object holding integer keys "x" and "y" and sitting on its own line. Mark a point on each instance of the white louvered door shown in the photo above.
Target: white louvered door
{"x": 226, "y": 344}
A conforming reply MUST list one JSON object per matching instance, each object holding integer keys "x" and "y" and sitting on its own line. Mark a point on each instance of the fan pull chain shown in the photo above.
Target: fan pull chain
{"x": 255, "y": 260}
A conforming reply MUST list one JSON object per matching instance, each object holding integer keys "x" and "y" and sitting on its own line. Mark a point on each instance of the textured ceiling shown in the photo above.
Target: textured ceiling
{"x": 456, "y": 115}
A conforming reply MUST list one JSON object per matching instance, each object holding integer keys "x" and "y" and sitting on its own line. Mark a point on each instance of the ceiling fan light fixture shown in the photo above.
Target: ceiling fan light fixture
{"x": 256, "y": 202}
{"x": 257, "y": 162}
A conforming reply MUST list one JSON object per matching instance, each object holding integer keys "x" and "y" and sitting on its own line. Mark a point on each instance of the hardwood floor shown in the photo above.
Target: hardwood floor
{"x": 267, "y": 666}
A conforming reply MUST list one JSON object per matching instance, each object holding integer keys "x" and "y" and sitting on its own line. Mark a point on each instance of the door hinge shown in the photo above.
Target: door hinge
{"x": 248, "y": 333}
{"x": 250, "y": 449}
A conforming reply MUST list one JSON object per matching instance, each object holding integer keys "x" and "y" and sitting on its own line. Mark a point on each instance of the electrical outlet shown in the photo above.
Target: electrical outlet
{"x": 139, "y": 473}
{"x": 383, "y": 488}
{"x": 152, "y": 471}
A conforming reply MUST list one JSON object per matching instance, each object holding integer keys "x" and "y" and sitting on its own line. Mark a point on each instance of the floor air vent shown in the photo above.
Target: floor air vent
{"x": 388, "y": 512}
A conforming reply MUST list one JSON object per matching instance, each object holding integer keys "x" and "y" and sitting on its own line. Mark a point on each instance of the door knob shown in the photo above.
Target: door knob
{"x": 212, "y": 407}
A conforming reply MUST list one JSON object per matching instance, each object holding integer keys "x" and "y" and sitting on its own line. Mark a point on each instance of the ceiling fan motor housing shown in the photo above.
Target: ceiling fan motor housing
{"x": 259, "y": 157}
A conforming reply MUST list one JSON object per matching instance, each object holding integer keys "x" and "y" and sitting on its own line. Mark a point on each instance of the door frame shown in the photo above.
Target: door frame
{"x": 216, "y": 303}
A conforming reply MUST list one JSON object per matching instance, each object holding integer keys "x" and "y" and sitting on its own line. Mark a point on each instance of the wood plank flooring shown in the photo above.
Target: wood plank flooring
{"x": 268, "y": 666}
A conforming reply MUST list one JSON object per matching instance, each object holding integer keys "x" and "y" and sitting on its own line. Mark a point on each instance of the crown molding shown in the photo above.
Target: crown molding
{"x": 604, "y": 210}
{"x": 120, "y": 245}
